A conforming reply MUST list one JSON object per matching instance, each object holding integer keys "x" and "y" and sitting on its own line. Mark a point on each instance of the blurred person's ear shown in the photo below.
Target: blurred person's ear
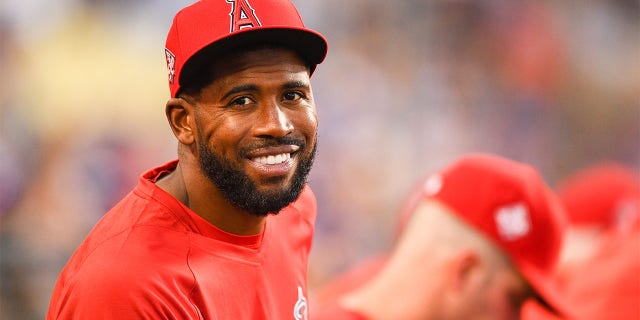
{"x": 466, "y": 270}
{"x": 179, "y": 113}
{"x": 464, "y": 274}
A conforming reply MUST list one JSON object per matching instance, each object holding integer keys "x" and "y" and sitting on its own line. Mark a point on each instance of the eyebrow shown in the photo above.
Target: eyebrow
{"x": 296, "y": 84}
{"x": 234, "y": 90}
{"x": 253, "y": 87}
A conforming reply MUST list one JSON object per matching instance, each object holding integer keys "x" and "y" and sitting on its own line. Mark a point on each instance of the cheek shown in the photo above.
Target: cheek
{"x": 229, "y": 131}
{"x": 307, "y": 122}
{"x": 219, "y": 132}
{"x": 500, "y": 306}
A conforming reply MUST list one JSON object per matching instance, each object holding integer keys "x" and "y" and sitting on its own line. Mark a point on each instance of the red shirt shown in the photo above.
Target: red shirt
{"x": 335, "y": 312}
{"x": 151, "y": 257}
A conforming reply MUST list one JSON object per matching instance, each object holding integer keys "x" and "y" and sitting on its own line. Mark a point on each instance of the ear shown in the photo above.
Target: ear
{"x": 180, "y": 115}
{"x": 466, "y": 269}
{"x": 465, "y": 291}
{"x": 459, "y": 284}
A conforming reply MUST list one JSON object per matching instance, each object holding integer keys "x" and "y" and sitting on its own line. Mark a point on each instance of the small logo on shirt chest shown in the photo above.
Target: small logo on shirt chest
{"x": 300, "y": 309}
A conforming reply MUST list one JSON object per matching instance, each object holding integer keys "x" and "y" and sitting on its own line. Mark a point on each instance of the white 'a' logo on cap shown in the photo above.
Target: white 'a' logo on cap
{"x": 513, "y": 221}
{"x": 242, "y": 15}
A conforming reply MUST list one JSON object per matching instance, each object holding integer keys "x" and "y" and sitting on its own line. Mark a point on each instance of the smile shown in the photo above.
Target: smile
{"x": 273, "y": 159}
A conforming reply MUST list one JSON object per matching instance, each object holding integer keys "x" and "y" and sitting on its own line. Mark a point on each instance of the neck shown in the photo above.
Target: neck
{"x": 201, "y": 196}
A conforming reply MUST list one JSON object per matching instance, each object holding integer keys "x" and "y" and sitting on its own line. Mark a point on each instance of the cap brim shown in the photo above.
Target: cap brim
{"x": 547, "y": 290}
{"x": 311, "y": 46}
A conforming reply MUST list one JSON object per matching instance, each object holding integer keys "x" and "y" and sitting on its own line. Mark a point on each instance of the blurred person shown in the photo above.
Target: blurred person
{"x": 484, "y": 237}
{"x": 601, "y": 200}
{"x": 224, "y": 231}
{"x": 606, "y": 286}
{"x": 600, "y": 265}
{"x": 599, "y": 269}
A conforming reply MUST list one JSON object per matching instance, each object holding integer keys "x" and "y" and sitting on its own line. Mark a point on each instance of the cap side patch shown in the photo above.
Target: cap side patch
{"x": 171, "y": 65}
{"x": 513, "y": 221}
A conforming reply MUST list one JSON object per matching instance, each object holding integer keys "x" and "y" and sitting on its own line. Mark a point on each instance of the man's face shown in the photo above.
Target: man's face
{"x": 256, "y": 129}
{"x": 500, "y": 297}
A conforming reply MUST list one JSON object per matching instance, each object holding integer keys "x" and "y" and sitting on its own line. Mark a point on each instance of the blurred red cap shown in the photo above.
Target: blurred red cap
{"x": 606, "y": 194}
{"x": 510, "y": 203}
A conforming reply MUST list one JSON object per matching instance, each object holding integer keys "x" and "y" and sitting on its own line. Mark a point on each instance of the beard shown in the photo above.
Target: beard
{"x": 238, "y": 188}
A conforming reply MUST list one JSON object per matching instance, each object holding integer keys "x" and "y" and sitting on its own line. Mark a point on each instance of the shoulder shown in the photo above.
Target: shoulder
{"x": 141, "y": 273}
{"x": 306, "y": 204}
{"x": 119, "y": 295}
{"x": 138, "y": 252}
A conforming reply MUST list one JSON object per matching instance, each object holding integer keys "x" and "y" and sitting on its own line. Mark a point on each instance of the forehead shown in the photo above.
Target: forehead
{"x": 259, "y": 60}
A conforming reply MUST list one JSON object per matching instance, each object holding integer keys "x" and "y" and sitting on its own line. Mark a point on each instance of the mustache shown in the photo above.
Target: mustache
{"x": 273, "y": 142}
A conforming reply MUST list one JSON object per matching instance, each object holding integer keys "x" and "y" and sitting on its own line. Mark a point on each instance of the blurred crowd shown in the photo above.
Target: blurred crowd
{"x": 407, "y": 87}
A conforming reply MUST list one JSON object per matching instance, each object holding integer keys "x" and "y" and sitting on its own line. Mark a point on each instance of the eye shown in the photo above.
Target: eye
{"x": 292, "y": 96}
{"x": 240, "y": 101}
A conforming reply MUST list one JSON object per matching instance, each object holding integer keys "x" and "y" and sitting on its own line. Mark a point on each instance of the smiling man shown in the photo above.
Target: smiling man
{"x": 224, "y": 231}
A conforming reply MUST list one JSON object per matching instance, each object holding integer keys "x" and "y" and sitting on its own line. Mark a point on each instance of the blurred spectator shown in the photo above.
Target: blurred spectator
{"x": 599, "y": 271}
{"x": 484, "y": 236}
{"x": 605, "y": 286}
{"x": 601, "y": 200}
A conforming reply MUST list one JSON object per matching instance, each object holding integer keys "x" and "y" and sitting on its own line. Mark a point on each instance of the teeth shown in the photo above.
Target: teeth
{"x": 279, "y": 158}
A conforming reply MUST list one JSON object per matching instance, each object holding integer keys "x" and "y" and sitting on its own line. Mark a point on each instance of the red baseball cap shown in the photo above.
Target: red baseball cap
{"x": 509, "y": 203}
{"x": 210, "y": 27}
{"x": 605, "y": 194}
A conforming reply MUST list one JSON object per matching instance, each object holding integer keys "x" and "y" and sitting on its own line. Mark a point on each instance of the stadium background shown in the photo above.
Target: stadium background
{"x": 407, "y": 87}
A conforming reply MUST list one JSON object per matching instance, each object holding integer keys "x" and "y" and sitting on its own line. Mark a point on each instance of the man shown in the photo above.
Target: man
{"x": 483, "y": 238}
{"x": 224, "y": 232}
{"x": 599, "y": 267}
{"x": 601, "y": 200}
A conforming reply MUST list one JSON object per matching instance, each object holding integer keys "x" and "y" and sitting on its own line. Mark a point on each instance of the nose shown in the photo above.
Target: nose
{"x": 273, "y": 121}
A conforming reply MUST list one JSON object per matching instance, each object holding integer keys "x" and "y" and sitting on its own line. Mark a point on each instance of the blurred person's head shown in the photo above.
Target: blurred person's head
{"x": 601, "y": 200}
{"x": 484, "y": 237}
{"x": 600, "y": 260}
